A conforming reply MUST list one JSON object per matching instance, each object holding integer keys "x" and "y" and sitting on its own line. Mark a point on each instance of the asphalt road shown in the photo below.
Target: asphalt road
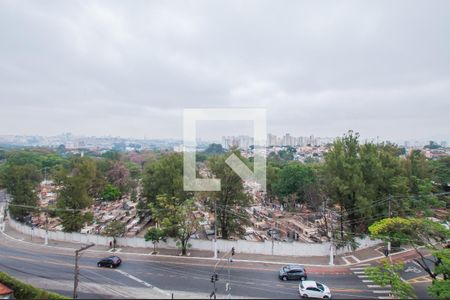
{"x": 145, "y": 276}
{"x": 53, "y": 269}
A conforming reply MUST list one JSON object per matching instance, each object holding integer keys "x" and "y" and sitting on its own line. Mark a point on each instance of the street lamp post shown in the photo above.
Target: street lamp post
{"x": 77, "y": 270}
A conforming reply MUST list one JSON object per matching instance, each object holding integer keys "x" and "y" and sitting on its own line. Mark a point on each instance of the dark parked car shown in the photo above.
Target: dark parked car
{"x": 293, "y": 272}
{"x": 110, "y": 262}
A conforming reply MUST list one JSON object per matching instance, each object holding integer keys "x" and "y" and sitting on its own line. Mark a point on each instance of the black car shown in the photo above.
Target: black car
{"x": 293, "y": 272}
{"x": 110, "y": 262}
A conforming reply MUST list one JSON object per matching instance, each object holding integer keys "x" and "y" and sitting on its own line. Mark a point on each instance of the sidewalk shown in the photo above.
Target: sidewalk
{"x": 356, "y": 257}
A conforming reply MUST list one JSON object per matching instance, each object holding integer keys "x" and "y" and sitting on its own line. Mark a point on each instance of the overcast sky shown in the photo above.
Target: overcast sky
{"x": 129, "y": 68}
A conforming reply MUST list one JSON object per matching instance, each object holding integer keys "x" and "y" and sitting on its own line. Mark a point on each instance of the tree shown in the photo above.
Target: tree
{"x": 111, "y": 192}
{"x": 272, "y": 177}
{"x": 231, "y": 200}
{"x": 119, "y": 176}
{"x": 360, "y": 180}
{"x": 21, "y": 182}
{"x": 115, "y": 229}
{"x": 440, "y": 287}
{"x": 164, "y": 177}
{"x": 134, "y": 169}
{"x": 441, "y": 170}
{"x": 112, "y": 155}
{"x": 389, "y": 274}
{"x": 345, "y": 179}
{"x": 294, "y": 181}
{"x": 73, "y": 195}
{"x": 432, "y": 145}
{"x": 2, "y": 154}
{"x": 214, "y": 149}
{"x": 416, "y": 164}
{"x": 155, "y": 235}
{"x": 176, "y": 218}
{"x": 420, "y": 232}
{"x": 73, "y": 220}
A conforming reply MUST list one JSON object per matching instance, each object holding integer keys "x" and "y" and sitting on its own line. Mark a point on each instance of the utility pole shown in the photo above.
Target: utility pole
{"x": 2, "y": 219}
{"x": 45, "y": 175}
{"x": 271, "y": 233}
{"x": 214, "y": 278}
{"x": 77, "y": 270}
{"x": 330, "y": 235}
{"x": 325, "y": 214}
{"x": 331, "y": 263}
{"x": 215, "y": 229}
{"x": 228, "y": 285}
{"x": 46, "y": 210}
{"x": 46, "y": 227}
{"x": 329, "y": 232}
{"x": 389, "y": 214}
{"x": 4, "y": 212}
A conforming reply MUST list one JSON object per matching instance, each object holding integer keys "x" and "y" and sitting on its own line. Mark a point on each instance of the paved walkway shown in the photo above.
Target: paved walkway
{"x": 353, "y": 258}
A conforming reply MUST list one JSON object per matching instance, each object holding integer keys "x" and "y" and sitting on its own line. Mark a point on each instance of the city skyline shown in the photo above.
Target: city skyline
{"x": 286, "y": 139}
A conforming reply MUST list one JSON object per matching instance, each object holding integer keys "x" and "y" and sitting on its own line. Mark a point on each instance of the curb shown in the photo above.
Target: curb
{"x": 166, "y": 256}
{"x": 207, "y": 258}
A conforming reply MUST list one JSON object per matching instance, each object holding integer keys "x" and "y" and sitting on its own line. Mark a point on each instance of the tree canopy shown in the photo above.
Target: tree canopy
{"x": 164, "y": 177}
{"x": 293, "y": 182}
{"x": 73, "y": 196}
{"x": 231, "y": 200}
{"x": 176, "y": 219}
{"x": 420, "y": 232}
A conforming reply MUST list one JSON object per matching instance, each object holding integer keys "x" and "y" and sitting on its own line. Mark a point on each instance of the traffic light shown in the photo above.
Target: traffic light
{"x": 232, "y": 251}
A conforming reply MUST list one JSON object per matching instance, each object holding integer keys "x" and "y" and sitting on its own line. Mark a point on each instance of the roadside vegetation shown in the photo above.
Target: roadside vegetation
{"x": 26, "y": 291}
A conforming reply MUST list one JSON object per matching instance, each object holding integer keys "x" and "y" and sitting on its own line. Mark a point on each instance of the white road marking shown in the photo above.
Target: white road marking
{"x": 361, "y": 265}
{"x": 142, "y": 282}
{"x": 362, "y": 276}
{"x": 357, "y": 268}
{"x": 355, "y": 258}
{"x": 346, "y": 261}
{"x": 359, "y": 272}
{"x": 382, "y": 292}
{"x": 367, "y": 281}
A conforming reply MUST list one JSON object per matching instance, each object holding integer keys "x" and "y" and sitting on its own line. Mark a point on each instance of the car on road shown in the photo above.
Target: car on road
{"x": 110, "y": 262}
{"x": 313, "y": 289}
{"x": 293, "y": 272}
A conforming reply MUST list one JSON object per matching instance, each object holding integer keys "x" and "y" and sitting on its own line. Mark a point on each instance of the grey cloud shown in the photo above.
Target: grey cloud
{"x": 110, "y": 67}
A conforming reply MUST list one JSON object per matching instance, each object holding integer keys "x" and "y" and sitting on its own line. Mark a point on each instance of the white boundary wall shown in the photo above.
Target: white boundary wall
{"x": 242, "y": 246}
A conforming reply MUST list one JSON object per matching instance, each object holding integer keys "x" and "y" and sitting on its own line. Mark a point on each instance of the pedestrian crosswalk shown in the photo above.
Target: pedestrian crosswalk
{"x": 380, "y": 292}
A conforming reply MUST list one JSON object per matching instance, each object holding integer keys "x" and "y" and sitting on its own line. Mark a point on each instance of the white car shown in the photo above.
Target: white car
{"x": 313, "y": 289}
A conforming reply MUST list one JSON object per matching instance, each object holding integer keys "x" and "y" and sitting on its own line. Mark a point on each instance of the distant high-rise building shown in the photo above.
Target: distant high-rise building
{"x": 272, "y": 140}
{"x": 225, "y": 143}
{"x": 242, "y": 142}
{"x": 287, "y": 140}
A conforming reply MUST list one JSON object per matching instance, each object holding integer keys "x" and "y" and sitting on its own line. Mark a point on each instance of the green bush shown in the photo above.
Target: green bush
{"x": 26, "y": 291}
